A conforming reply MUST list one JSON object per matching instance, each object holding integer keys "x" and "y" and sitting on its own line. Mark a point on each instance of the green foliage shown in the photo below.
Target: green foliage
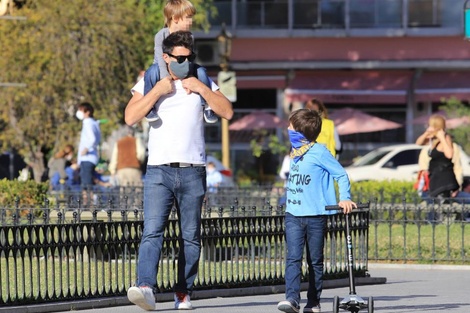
{"x": 256, "y": 148}
{"x": 67, "y": 52}
{"x": 455, "y": 108}
{"x": 264, "y": 141}
{"x": 29, "y": 193}
{"x": 390, "y": 191}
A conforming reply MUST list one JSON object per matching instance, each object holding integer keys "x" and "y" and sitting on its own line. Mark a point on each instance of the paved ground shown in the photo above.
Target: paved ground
{"x": 408, "y": 288}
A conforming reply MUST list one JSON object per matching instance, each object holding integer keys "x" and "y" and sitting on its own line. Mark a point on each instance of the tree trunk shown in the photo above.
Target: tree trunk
{"x": 37, "y": 165}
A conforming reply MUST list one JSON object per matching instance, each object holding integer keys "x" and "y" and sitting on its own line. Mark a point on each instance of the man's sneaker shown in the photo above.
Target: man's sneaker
{"x": 312, "y": 308}
{"x": 209, "y": 115}
{"x": 142, "y": 297}
{"x": 288, "y": 306}
{"x": 182, "y": 301}
{"x": 152, "y": 116}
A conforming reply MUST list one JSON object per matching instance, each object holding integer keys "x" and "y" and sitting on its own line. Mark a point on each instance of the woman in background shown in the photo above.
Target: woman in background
{"x": 57, "y": 165}
{"x": 442, "y": 181}
{"x": 328, "y": 135}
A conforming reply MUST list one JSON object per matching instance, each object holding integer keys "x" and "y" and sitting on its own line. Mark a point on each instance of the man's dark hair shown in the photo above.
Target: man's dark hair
{"x": 87, "y": 107}
{"x": 306, "y": 122}
{"x": 178, "y": 39}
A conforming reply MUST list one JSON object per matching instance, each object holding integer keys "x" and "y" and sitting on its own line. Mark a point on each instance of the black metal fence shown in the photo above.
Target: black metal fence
{"x": 426, "y": 232}
{"x": 67, "y": 251}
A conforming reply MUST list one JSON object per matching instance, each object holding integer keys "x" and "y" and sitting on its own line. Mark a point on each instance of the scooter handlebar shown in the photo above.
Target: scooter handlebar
{"x": 337, "y": 207}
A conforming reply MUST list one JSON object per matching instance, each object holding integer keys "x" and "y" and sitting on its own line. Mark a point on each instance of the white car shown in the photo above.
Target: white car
{"x": 398, "y": 162}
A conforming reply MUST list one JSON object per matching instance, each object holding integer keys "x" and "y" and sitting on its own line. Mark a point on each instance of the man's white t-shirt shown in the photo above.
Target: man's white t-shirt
{"x": 178, "y": 136}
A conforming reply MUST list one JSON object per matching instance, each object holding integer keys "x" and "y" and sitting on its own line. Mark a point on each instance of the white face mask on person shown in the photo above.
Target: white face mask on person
{"x": 181, "y": 70}
{"x": 80, "y": 115}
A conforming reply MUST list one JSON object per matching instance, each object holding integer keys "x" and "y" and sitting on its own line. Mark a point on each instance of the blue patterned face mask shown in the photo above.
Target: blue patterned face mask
{"x": 300, "y": 145}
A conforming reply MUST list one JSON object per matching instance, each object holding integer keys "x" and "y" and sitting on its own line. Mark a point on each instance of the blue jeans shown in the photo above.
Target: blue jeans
{"x": 301, "y": 230}
{"x": 87, "y": 170}
{"x": 164, "y": 186}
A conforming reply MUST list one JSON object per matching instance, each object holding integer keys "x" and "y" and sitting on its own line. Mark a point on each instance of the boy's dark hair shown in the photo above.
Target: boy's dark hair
{"x": 87, "y": 107}
{"x": 307, "y": 122}
{"x": 178, "y": 39}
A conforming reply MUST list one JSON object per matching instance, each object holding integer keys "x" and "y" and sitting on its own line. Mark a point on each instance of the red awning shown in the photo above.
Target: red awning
{"x": 350, "y": 86}
{"x": 433, "y": 86}
{"x": 259, "y": 80}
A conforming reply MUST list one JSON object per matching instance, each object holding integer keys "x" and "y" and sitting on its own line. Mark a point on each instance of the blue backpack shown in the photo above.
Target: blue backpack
{"x": 152, "y": 76}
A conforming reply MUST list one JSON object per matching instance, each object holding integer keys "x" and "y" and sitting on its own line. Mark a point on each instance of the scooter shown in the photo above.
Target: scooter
{"x": 353, "y": 302}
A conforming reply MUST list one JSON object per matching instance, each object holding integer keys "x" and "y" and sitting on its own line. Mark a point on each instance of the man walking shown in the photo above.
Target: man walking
{"x": 176, "y": 172}
{"x": 90, "y": 137}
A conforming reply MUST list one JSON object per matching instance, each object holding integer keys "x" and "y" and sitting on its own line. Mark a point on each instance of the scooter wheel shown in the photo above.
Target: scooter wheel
{"x": 370, "y": 305}
{"x": 335, "y": 304}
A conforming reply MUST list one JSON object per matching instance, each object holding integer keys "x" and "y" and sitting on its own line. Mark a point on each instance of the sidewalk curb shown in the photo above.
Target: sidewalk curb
{"x": 418, "y": 266}
{"x": 167, "y": 297}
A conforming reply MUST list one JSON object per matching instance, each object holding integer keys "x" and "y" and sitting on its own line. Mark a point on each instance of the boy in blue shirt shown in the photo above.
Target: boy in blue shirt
{"x": 310, "y": 187}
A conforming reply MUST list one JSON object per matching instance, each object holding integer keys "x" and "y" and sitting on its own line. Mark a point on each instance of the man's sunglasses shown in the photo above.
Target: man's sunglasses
{"x": 181, "y": 58}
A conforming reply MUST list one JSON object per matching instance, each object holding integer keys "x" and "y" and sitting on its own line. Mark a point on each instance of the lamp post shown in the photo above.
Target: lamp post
{"x": 227, "y": 84}
{"x": 466, "y": 19}
{"x": 224, "y": 40}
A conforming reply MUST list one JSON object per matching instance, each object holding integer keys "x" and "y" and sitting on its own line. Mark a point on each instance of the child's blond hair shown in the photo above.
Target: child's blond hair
{"x": 177, "y": 9}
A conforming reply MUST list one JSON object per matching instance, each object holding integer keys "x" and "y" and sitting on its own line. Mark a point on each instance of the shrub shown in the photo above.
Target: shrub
{"x": 389, "y": 191}
{"x": 30, "y": 194}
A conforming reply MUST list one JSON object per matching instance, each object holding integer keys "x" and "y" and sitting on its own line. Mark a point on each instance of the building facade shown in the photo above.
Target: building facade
{"x": 396, "y": 59}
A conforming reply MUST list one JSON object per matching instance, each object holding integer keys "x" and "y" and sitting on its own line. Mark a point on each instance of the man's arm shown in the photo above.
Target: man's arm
{"x": 139, "y": 105}
{"x": 215, "y": 99}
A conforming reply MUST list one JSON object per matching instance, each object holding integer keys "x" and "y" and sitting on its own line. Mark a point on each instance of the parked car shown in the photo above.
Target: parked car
{"x": 398, "y": 162}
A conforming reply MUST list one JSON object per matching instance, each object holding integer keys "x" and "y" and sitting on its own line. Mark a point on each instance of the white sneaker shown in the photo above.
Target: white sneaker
{"x": 182, "y": 301}
{"x": 142, "y": 297}
{"x": 312, "y": 309}
{"x": 209, "y": 115}
{"x": 288, "y": 306}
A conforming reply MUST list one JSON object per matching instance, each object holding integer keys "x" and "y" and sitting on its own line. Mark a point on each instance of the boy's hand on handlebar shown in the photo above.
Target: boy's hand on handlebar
{"x": 347, "y": 206}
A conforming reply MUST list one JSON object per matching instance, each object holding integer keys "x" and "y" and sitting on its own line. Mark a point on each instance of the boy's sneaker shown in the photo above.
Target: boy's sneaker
{"x": 182, "y": 301}
{"x": 209, "y": 115}
{"x": 152, "y": 116}
{"x": 288, "y": 306}
{"x": 312, "y": 308}
{"x": 142, "y": 297}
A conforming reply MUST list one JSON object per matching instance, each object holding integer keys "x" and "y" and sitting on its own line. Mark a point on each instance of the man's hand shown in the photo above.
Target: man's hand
{"x": 165, "y": 85}
{"x": 192, "y": 84}
{"x": 84, "y": 151}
